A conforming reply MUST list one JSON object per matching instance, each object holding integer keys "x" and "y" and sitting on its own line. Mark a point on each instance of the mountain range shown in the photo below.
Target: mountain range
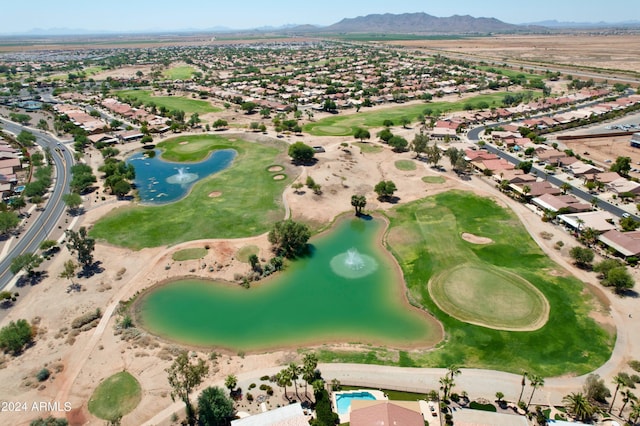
{"x": 406, "y": 23}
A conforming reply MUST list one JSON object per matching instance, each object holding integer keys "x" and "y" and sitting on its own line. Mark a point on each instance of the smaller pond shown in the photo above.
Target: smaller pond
{"x": 161, "y": 182}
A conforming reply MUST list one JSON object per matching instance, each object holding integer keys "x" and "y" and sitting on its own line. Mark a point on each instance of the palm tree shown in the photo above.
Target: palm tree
{"x": 523, "y": 382}
{"x": 283, "y": 380}
{"x": 635, "y": 413}
{"x": 294, "y": 373}
{"x": 619, "y": 381}
{"x": 454, "y": 370}
{"x": 628, "y": 396}
{"x": 578, "y": 406}
{"x": 309, "y": 364}
{"x": 445, "y": 386}
{"x": 565, "y": 187}
{"x": 535, "y": 382}
{"x": 231, "y": 382}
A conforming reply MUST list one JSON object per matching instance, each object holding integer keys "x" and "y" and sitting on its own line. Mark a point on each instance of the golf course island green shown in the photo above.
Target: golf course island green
{"x": 347, "y": 289}
{"x": 248, "y": 199}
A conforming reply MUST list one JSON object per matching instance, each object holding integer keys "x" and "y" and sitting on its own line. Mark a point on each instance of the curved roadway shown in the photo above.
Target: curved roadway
{"x": 40, "y": 227}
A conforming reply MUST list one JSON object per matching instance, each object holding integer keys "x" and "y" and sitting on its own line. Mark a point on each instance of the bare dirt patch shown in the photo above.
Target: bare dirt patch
{"x": 215, "y": 194}
{"x": 474, "y": 239}
{"x": 184, "y": 142}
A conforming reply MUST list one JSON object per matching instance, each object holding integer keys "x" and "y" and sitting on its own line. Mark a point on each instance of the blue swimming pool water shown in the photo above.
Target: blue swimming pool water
{"x": 343, "y": 401}
{"x": 161, "y": 182}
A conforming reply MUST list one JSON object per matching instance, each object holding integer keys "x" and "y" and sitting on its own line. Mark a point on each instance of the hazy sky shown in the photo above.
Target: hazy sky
{"x": 140, "y": 15}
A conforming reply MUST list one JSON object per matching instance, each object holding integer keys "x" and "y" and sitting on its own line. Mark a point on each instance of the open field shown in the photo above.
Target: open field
{"x": 249, "y": 202}
{"x": 610, "y": 52}
{"x": 179, "y": 73}
{"x": 189, "y": 106}
{"x": 115, "y": 396}
{"x": 344, "y": 125}
{"x": 424, "y": 236}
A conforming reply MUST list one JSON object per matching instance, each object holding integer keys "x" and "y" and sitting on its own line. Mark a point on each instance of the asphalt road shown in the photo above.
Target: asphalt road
{"x": 474, "y": 135}
{"x": 38, "y": 228}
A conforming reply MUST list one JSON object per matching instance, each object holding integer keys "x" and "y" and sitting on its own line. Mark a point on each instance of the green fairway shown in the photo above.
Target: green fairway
{"x": 248, "y": 200}
{"x": 188, "y": 105}
{"x": 179, "y": 73}
{"x": 424, "y": 236}
{"x": 406, "y": 165}
{"x": 367, "y": 148}
{"x": 189, "y": 254}
{"x": 479, "y": 294}
{"x": 344, "y": 125}
{"x": 115, "y": 396}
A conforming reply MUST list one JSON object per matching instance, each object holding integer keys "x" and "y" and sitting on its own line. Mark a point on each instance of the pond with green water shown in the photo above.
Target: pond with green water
{"x": 347, "y": 290}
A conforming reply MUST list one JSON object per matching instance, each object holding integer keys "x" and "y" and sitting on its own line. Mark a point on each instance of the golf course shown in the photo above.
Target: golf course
{"x": 248, "y": 201}
{"x": 188, "y": 105}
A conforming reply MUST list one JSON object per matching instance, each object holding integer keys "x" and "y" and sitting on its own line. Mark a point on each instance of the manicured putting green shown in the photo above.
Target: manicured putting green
{"x": 115, "y": 396}
{"x": 489, "y": 297}
{"x": 433, "y": 179}
{"x": 189, "y": 254}
{"x": 405, "y": 165}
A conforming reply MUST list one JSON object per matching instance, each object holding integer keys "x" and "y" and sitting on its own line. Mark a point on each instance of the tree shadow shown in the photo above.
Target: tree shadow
{"x": 90, "y": 270}
{"x": 32, "y": 279}
{"x": 628, "y": 293}
{"x": 364, "y": 216}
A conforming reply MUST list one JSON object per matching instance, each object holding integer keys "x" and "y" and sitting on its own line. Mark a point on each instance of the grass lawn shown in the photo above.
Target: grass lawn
{"x": 511, "y": 73}
{"x": 368, "y": 148}
{"x": 424, "y": 236}
{"x": 245, "y": 252}
{"x": 406, "y": 165}
{"x": 188, "y": 105}
{"x": 189, "y": 254}
{"x": 433, "y": 179}
{"x": 115, "y": 396}
{"x": 249, "y": 203}
{"x": 344, "y": 125}
{"x": 179, "y": 73}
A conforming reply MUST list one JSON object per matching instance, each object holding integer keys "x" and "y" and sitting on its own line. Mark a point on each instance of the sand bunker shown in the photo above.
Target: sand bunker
{"x": 474, "y": 239}
{"x": 184, "y": 142}
{"x": 275, "y": 169}
{"x": 215, "y": 194}
{"x": 279, "y": 177}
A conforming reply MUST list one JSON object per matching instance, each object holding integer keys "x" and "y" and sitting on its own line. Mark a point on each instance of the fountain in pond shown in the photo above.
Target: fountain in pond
{"x": 181, "y": 177}
{"x": 353, "y": 264}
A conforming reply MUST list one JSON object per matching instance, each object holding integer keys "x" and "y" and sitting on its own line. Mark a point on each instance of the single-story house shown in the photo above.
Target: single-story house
{"x": 622, "y": 185}
{"x": 625, "y": 243}
{"x": 537, "y": 189}
{"x": 556, "y": 203}
{"x": 102, "y": 137}
{"x": 468, "y": 417}
{"x": 288, "y": 415}
{"x": 580, "y": 168}
{"x": 599, "y": 220}
{"x": 386, "y": 413}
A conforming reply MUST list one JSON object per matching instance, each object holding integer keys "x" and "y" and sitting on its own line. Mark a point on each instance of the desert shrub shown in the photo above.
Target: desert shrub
{"x": 85, "y": 319}
{"x": 43, "y": 375}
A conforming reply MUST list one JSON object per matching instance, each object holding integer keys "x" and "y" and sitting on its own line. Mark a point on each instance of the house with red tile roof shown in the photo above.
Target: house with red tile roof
{"x": 386, "y": 413}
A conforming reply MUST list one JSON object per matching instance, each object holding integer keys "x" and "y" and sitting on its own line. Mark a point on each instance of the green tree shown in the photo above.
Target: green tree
{"x": 43, "y": 125}
{"x": 420, "y": 143}
{"x": 387, "y": 123}
{"x": 72, "y": 200}
{"x": 15, "y": 336}
{"x": 289, "y": 238}
{"x": 82, "y": 178}
{"x": 385, "y": 135}
{"x": 622, "y": 166}
{"x": 183, "y": 377}
{"x": 301, "y": 153}
{"x": 398, "y": 143}
{"x": 582, "y": 256}
{"x": 404, "y": 121}
{"x": 606, "y": 265}
{"x": 18, "y": 203}
{"x": 619, "y": 278}
{"x": 49, "y": 421}
{"x": 308, "y": 370}
{"x": 434, "y": 154}
{"x": 627, "y": 397}
{"x": 26, "y": 139}
{"x": 579, "y": 406}
{"x": 629, "y": 224}
{"x": 26, "y": 261}
{"x": 215, "y": 408}
{"x": 294, "y": 373}
{"x": 362, "y": 134}
{"x": 80, "y": 243}
{"x": 47, "y": 245}
{"x": 359, "y": 202}
{"x": 523, "y": 383}
{"x": 220, "y": 123}
{"x": 194, "y": 120}
{"x": 69, "y": 270}
{"x": 231, "y": 381}
{"x": 385, "y": 189}
{"x": 248, "y": 107}
{"x": 595, "y": 389}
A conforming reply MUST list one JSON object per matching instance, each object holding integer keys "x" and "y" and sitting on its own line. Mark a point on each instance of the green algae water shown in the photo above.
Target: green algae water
{"x": 346, "y": 290}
